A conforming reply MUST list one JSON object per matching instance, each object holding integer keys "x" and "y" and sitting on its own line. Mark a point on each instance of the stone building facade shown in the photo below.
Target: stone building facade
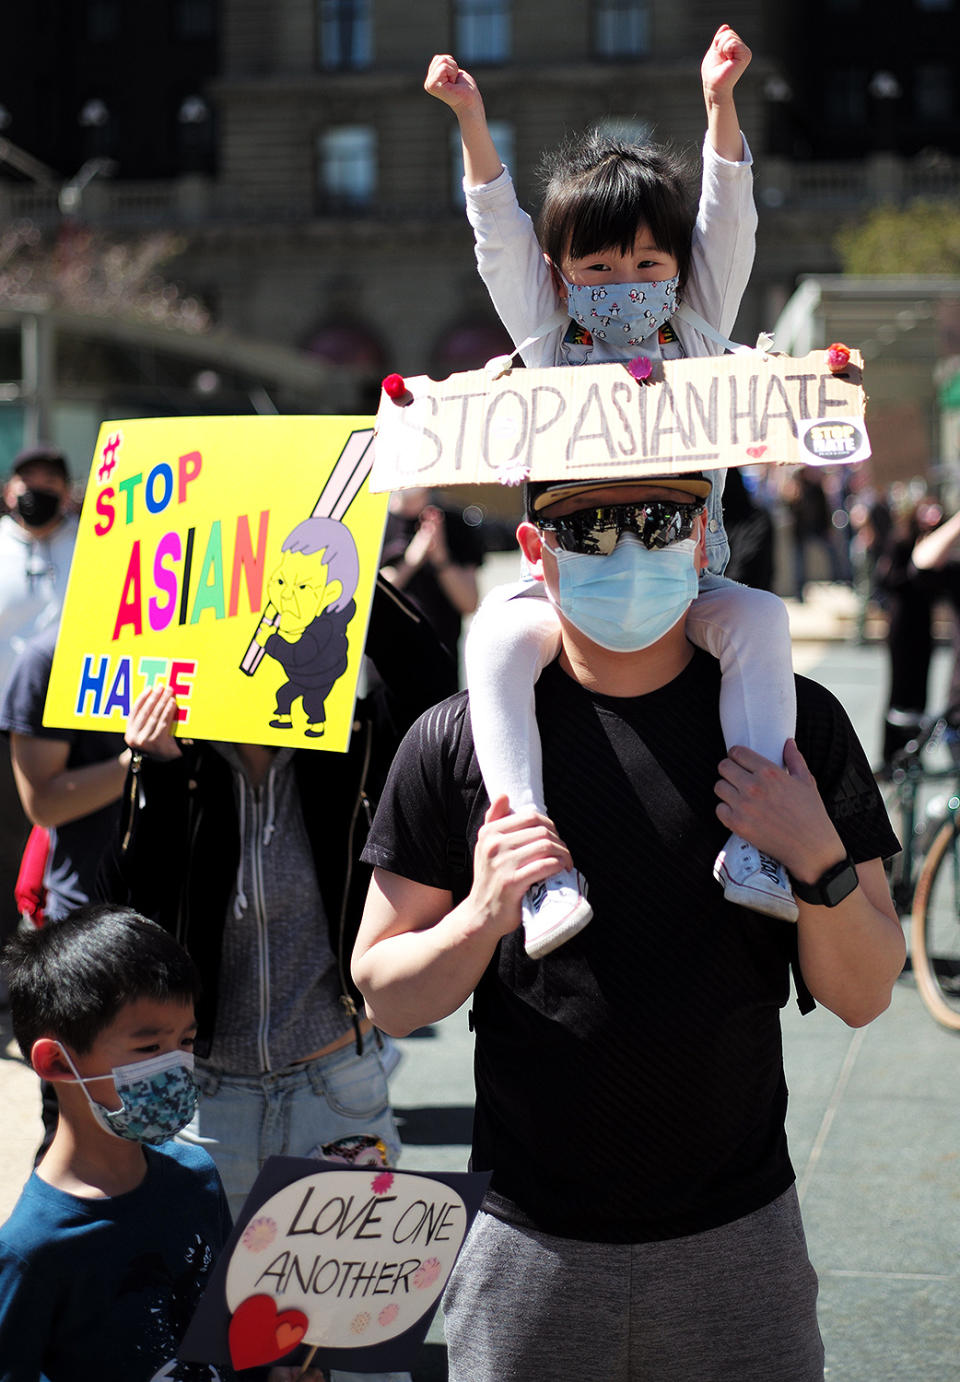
{"x": 314, "y": 184}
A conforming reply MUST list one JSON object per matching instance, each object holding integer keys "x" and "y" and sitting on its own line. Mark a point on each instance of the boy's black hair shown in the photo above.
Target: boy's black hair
{"x": 599, "y": 190}
{"x": 69, "y": 979}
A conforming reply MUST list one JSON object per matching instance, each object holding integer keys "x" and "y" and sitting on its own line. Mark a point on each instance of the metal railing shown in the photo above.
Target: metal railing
{"x": 781, "y": 182}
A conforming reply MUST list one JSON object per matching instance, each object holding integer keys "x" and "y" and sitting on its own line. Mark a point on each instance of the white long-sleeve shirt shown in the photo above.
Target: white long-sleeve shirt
{"x": 522, "y": 289}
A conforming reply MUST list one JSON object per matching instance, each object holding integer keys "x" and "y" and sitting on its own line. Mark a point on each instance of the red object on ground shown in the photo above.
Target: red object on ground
{"x": 395, "y": 387}
{"x": 838, "y": 357}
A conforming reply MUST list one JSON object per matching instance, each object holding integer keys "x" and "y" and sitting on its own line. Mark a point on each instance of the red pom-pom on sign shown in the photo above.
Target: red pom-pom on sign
{"x": 395, "y": 386}
{"x": 838, "y": 357}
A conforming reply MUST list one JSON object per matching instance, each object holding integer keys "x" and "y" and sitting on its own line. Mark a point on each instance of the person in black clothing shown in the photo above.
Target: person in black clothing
{"x": 630, "y": 1089}
{"x": 937, "y": 554}
{"x": 69, "y": 780}
{"x": 810, "y": 522}
{"x": 909, "y": 594}
{"x": 870, "y": 522}
{"x": 250, "y": 856}
{"x": 432, "y": 554}
{"x": 750, "y": 534}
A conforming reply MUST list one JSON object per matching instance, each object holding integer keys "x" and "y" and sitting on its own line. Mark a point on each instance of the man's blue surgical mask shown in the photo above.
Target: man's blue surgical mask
{"x": 158, "y": 1097}
{"x": 623, "y": 314}
{"x": 628, "y": 600}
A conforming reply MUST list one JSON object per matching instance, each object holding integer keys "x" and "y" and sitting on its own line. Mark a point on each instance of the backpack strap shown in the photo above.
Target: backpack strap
{"x": 694, "y": 319}
{"x": 501, "y": 363}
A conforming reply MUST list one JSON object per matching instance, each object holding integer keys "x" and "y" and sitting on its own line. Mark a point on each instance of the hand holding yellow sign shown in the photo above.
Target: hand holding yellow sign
{"x": 204, "y": 550}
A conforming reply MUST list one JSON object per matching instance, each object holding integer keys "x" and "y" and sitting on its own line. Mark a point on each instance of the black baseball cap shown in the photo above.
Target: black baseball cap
{"x": 41, "y": 454}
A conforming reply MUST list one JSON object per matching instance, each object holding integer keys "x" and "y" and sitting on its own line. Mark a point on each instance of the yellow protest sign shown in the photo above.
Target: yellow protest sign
{"x": 748, "y": 408}
{"x": 232, "y": 558}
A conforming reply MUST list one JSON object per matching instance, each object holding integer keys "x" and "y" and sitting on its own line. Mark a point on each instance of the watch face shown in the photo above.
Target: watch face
{"x": 841, "y": 886}
{"x": 831, "y": 887}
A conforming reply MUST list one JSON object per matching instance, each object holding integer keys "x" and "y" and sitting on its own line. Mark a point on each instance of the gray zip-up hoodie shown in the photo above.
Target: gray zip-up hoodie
{"x": 279, "y": 989}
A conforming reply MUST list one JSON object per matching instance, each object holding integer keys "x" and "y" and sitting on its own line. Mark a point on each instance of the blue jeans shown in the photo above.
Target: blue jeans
{"x": 243, "y": 1119}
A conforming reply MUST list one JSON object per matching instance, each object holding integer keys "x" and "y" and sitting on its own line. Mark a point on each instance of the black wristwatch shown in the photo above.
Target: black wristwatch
{"x": 836, "y": 883}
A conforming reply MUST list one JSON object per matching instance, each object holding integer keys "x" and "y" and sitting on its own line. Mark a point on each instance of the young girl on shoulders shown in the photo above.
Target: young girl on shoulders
{"x": 620, "y": 266}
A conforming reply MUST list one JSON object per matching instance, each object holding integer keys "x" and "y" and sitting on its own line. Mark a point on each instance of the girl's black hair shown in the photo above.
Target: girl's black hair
{"x": 599, "y": 190}
{"x": 71, "y": 978}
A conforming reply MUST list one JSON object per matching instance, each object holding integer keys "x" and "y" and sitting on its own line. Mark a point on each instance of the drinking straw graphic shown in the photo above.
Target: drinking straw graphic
{"x": 352, "y": 468}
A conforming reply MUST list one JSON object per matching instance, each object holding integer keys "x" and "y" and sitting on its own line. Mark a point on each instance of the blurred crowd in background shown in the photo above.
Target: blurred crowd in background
{"x": 896, "y": 548}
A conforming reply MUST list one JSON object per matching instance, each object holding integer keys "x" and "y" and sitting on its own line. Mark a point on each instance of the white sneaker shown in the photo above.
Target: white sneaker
{"x": 755, "y": 880}
{"x": 553, "y": 911}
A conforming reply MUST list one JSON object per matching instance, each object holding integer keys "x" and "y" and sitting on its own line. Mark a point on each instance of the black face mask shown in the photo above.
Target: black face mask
{"x": 37, "y": 507}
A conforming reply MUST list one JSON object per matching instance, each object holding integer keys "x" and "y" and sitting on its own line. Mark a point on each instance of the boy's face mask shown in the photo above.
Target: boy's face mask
{"x": 623, "y": 314}
{"x": 158, "y": 1097}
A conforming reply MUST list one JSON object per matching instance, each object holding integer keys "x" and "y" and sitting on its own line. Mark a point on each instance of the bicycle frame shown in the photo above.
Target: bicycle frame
{"x": 916, "y": 825}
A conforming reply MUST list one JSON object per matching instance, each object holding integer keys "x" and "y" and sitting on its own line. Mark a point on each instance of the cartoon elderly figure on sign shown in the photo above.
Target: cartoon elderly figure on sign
{"x": 311, "y": 594}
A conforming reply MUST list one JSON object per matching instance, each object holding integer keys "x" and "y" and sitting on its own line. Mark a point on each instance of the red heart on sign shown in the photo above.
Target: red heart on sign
{"x": 260, "y": 1333}
{"x": 756, "y": 451}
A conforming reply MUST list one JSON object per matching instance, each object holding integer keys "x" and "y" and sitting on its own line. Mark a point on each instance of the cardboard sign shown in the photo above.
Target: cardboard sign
{"x": 233, "y": 559}
{"x": 344, "y": 1266}
{"x": 598, "y": 421}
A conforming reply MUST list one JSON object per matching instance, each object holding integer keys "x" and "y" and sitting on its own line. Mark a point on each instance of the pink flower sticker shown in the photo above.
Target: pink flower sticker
{"x": 382, "y": 1183}
{"x": 641, "y": 368}
{"x": 427, "y": 1273}
{"x": 259, "y": 1234}
{"x": 516, "y": 474}
{"x": 387, "y": 1315}
{"x": 359, "y": 1322}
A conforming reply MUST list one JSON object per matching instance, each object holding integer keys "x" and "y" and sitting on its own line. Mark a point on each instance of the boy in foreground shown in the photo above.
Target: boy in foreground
{"x": 112, "y": 1241}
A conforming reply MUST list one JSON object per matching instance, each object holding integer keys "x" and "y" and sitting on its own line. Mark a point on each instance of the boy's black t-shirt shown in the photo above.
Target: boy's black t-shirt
{"x": 630, "y": 1084}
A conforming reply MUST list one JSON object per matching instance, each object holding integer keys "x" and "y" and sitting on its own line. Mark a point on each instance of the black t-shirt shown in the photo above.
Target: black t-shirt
{"x": 630, "y": 1084}
{"x": 77, "y": 846}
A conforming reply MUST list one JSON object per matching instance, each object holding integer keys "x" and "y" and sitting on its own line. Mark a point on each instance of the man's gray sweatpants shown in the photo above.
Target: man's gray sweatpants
{"x": 735, "y": 1304}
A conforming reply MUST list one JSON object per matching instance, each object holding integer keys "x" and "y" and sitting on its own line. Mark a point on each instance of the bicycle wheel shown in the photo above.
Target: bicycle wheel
{"x": 935, "y": 934}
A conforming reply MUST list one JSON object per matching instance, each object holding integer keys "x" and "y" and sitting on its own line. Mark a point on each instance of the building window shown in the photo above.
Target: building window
{"x": 345, "y": 33}
{"x": 626, "y": 127}
{"x": 482, "y": 30}
{"x": 194, "y": 135}
{"x": 98, "y": 133}
{"x": 621, "y": 28}
{"x": 933, "y": 88}
{"x": 103, "y": 21}
{"x": 195, "y": 19}
{"x": 347, "y": 171}
{"x": 845, "y": 97}
{"x": 501, "y": 132}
